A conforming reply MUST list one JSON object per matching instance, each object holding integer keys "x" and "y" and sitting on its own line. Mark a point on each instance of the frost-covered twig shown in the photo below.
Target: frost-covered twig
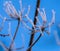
{"x": 42, "y": 14}
{"x": 3, "y": 45}
{"x": 9, "y": 32}
{"x": 17, "y": 48}
{"x": 28, "y": 17}
{"x": 10, "y": 9}
{"x": 57, "y": 37}
{"x": 21, "y": 5}
{"x": 52, "y": 21}
{"x": 2, "y": 24}
{"x": 53, "y": 18}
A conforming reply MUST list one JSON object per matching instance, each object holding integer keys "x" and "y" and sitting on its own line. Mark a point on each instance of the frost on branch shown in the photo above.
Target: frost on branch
{"x": 2, "y": 26}
{"x": 42, "y": 27}
{"x": 10, "y": 9}
{"x": 3, "y": 21}
{"x": 42, "y": 14}
{"x": 57, "y": 37}
{"x": 56, "y": 34}
{"x": 52, "y": 21}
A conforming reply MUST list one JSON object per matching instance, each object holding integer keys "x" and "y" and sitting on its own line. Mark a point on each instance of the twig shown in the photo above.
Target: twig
{"x": 15, "y": 34}
{"x": 18, "y": 48}
{"x": 34, "y": 42}
{"x": 4, "y": 35}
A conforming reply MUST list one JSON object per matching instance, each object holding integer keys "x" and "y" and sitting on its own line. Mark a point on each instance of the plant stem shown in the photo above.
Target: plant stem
{"x": 32, "y": 34}
{"x": 15, "y": 34}
{"x": 34, "y": 42}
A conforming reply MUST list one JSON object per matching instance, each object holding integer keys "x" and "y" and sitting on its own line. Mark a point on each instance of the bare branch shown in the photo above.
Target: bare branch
{"x": 36, "y": 14}
{"x": 34, "y": 42}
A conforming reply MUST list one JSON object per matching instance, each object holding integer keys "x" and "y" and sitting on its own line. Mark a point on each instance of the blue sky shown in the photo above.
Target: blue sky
{"x": 47, "y": 42}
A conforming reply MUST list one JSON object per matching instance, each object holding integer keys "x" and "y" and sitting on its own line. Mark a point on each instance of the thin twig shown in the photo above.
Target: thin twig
{"x": 15, "y": 34}
{"x": 4, "y": 35}
{"x": 34, "y": 42}
{"x": 18, "y": 48}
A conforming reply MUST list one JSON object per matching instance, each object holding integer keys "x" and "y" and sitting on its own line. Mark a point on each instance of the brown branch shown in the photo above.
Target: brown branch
{"x": 32, "y": 34}
{"x": 15, "y": 34}
{"x": 34, "y": 42}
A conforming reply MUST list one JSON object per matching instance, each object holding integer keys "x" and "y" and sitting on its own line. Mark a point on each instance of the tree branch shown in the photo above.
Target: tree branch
{"x": 32, "y": 34}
